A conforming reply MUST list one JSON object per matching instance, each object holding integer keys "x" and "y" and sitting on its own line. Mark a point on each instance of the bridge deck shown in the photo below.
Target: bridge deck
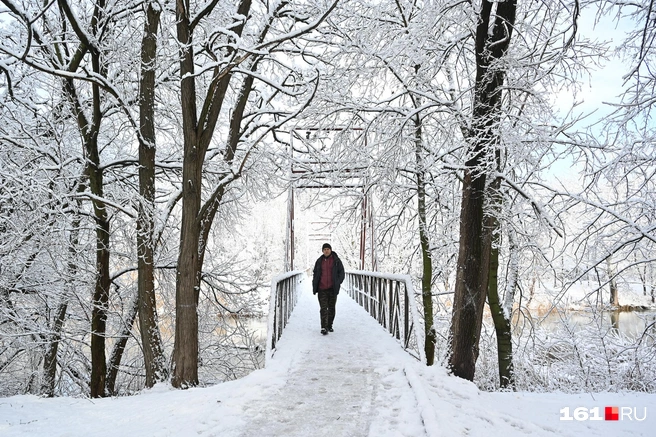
{"x": 338, "y": 384}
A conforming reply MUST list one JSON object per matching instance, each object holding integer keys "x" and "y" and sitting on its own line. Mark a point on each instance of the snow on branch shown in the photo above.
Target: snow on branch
{"x": 538, "y": 208}
{"x": 105, "y": 201}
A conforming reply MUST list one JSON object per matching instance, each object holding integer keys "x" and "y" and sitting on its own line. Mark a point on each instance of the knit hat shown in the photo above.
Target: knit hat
{"x": 326, "y": 246}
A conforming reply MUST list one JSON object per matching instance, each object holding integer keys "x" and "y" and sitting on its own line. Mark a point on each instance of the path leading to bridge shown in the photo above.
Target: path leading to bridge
{"x": 354, "y": 382}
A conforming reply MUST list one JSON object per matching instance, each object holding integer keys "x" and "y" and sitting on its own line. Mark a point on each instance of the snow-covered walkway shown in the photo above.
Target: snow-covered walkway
{"x": 354, "y": 382}
{"x": 343, "y": 384}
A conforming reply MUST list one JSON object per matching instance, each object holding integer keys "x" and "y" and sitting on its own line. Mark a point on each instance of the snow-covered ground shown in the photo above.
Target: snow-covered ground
{"x": 356, "y": 381}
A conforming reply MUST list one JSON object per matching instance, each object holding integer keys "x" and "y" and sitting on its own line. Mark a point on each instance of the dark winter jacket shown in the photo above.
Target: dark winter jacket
{"x": 338, "y": 274}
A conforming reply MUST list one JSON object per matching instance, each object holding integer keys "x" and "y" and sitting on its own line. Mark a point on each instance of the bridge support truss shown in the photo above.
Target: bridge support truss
{"x": 321, "y": 172}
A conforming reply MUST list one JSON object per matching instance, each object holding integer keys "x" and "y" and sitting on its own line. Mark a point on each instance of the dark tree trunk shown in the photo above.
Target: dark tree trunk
{"x": 475, "y": 239}
{"x": 501, "y": 319}
{"x": 101, "y": 291}
{"x": 103, "y": 281}
{"x": 50, "y": 357}
{"x": 185, "y": 351}
{"x": 198, "y": 129}
{"x": 471, "y": 279}
{"x": 89, "y": 130}
{"x": 118, "y": 349}
{"x": 642, "y": 274}
{"x": 427, "y": 263}
{"x": 151, "y": 341}
{"x": 94, "y": 174}
{"x": 197, "y": 134}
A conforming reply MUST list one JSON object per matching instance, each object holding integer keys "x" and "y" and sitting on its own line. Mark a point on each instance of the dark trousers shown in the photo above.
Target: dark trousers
{"x": 327, "y": 300}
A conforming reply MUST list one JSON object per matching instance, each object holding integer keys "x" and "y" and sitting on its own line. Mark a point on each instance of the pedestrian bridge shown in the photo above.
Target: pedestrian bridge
{"x": 389, "y": 299}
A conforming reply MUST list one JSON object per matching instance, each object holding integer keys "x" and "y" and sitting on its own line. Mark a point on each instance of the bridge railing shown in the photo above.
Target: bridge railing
{"x": 390, "y": 300}
{"x": 284, "y": 295}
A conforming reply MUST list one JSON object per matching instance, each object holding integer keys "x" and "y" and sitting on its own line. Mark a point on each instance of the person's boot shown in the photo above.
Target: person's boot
{"x": 324, "y": 331}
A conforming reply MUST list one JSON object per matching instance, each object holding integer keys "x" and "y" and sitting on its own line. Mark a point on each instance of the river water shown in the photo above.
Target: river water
{"x": 631, "y": 324}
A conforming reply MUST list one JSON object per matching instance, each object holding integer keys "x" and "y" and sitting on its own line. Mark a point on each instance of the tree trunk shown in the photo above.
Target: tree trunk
{"x": 103, "y": 281}
{"x": 614, "y": 296}
{"x": 471, "y": 279}
{"x": 119, "y": 348}
{"x": 101, "y": 288}
{"x": 197, "y": 134}
{"x": 475, "y": 240}
{"x": 198, "y": 129}
{"x": 615, "y": 320}
{"x": 89, "y": 130}
{"x": 100, "y": 299}
{"x": 185, "y": 350}
{"x": 427, "y": 263}
{"x": 642, "y": 274}
{"x": 499, "y": 316}
{"x": 151, "y": 341}
{"x": 50, "y": 357}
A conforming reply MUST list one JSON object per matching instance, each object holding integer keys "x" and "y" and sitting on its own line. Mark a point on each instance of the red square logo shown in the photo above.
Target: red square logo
{"x": 612, "y": 413}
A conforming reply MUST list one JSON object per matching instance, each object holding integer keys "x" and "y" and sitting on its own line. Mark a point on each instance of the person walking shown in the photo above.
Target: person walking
{"x": 327, "y": 277}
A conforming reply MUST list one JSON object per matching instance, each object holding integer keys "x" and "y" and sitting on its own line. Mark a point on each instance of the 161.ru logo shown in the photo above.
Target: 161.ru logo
{"x": 609, "y": 413}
